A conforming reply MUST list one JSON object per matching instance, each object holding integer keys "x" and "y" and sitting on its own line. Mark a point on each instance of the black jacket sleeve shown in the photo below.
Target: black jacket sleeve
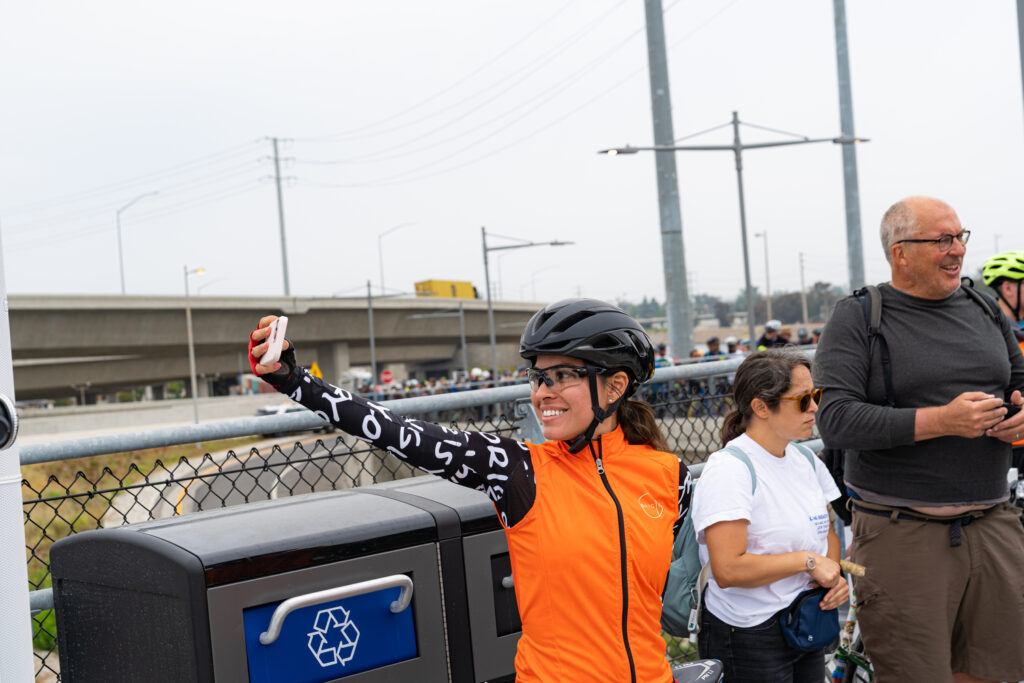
{"x": 496, "y": 465}
{"x": 685, "y": 493}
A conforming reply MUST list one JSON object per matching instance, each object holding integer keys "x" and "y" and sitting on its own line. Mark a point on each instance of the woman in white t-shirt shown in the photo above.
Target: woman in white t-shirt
{"x": 771, "y": 543}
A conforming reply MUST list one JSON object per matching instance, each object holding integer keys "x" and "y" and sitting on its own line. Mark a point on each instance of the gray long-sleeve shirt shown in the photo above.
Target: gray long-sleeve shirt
{"x": 939, "y": 349}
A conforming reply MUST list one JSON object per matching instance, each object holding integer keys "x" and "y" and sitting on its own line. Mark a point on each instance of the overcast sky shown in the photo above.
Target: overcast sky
{"x": 447, "y": 116}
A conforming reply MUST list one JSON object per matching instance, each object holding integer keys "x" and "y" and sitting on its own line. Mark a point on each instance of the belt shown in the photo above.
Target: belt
{"x": 955, "y": 524}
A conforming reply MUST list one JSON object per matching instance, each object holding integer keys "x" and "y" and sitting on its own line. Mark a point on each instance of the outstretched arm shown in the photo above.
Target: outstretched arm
{"x": 494, "y": 464}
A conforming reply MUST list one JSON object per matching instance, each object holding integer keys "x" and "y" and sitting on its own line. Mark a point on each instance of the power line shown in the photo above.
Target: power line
{"x": 557, "y": 88}
{"x": 521, "y": 75}
{"x": 109, "y": 207}
{"x": 395, "y": 179}
{"x": 460, "y": 81}
{"x": 109, "y": 188}
{"x": 400, "y": 178}
{"x": 101, "y": 227}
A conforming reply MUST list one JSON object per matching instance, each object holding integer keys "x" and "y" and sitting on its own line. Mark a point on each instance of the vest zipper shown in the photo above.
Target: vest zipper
{"x": 622, "y": 561}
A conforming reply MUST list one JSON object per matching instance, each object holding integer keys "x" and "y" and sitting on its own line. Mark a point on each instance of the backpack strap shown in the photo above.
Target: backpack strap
{"x": 988, "y": 303}
{"x": 740, "y": 454}
{"x": 871, "y": 305}
{"x": 807, "y": 453}
{"x": 697, "y": 599}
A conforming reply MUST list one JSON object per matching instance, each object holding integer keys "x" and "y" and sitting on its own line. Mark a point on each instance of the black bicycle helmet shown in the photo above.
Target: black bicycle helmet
{"x": 593, "y": 331}
{"x": 603, "y": 336}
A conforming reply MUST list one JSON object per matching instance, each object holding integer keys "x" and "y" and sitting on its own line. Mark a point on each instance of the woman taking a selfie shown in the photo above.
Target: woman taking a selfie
{"x": 590, "y": 514}
{"x": 761, "y": 517}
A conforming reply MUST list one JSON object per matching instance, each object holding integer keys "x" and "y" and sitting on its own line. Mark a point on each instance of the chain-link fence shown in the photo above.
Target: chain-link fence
{"x": 106, "y": 482}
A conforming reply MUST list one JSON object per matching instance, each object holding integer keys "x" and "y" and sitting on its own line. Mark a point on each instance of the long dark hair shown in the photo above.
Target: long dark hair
{"x": 766, "y": 375}
{"x": 639, "y": 424}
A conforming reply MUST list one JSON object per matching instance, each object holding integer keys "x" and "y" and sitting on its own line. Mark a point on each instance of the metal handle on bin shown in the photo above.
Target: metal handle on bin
{"x": 507, "y": 582}
{"x": 351, "y": 590}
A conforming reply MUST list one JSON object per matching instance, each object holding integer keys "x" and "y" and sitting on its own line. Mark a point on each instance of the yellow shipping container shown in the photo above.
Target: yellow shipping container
{"x": 446, "y": 288}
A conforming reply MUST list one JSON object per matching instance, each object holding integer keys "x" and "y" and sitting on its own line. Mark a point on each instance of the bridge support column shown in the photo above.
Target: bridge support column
{"x": 333, "y": 360}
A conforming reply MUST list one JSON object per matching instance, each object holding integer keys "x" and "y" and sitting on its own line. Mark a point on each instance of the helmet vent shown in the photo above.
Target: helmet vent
{"x": 574, "y": 318}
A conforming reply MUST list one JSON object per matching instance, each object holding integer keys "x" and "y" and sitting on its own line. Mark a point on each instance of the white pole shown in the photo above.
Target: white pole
{"x": 15, "y": 625}
{"x": 803, "y": 289}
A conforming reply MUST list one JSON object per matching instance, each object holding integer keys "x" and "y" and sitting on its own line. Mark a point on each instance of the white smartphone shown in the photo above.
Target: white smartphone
{"x": 275, "y": 341}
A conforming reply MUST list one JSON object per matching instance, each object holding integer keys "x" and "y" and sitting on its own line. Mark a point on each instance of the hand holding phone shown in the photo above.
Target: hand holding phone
{"x": 1011, "y": 409}
{"x": 275, "y": 340}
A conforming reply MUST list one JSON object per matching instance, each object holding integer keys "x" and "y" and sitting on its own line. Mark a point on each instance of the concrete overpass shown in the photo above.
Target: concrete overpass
{"x": 100, "y": 344}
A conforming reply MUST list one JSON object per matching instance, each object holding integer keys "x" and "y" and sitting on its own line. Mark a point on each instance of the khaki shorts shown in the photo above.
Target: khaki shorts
{"x": 928, "y": 610}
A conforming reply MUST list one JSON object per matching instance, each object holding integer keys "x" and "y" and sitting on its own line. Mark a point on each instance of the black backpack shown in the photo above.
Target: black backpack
{"x": 871, "y": 305}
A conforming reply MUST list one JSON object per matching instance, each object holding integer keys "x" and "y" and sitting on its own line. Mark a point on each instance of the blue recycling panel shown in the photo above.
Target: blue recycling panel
{"x": 331, "y": 640}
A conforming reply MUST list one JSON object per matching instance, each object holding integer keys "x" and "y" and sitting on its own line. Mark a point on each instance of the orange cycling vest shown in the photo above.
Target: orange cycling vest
{"x": 586, "y": 608}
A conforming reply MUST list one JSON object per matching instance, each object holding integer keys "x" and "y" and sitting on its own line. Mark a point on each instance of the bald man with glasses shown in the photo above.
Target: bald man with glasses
{"x": 926, "y": 459}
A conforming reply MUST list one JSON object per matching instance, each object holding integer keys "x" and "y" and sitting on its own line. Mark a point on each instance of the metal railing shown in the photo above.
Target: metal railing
{"x": 77, "y": 485}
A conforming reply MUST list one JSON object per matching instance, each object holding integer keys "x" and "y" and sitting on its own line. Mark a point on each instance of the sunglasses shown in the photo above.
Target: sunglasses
{"x": 557, "y": 377}
{"x": 804, "y": 399}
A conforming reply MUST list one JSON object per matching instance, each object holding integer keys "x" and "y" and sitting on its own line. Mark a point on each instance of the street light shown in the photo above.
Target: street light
{"x": 737, "y": 148}
{"x": 767, "y": 279}
{"x": 373, "y": 340}
{"x": 191, "y": 342}
{"x": 380, "y": 253}
{"x": 120, "y": 252}
{"x": 487, "y": 285}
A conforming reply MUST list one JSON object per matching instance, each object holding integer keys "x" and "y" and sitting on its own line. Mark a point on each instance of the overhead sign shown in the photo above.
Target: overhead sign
{"x": 386, "y": 376}
{"x": 314, "y": 370}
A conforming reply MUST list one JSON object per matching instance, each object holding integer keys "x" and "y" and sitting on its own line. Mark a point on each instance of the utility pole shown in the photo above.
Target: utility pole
{"x": 737, "y": 148}
{"x": 851, "y": 191}
{"x": 1020, "y": 34}
{"x": 280, "y": 219}
{"x": 373, "y": 342}
{"x": 767, "y": 277}
{"x": 678, "y": 306}
{"x": 803, "y": 289}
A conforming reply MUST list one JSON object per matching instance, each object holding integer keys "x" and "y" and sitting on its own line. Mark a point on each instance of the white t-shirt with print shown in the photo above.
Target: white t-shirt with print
{"x": 787, "y": 512}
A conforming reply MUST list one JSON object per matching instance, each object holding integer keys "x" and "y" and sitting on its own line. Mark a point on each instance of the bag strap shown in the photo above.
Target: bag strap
{"x": 697, "y": 599}
{"x": 807, "y": 453}
{"x": 988, "y": 303}
{"x": 740, "y": 454}
{"x": 871, "y": 305}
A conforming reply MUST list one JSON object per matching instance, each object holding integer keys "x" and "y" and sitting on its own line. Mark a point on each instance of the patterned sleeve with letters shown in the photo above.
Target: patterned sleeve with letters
{"x": 496, "y": 465}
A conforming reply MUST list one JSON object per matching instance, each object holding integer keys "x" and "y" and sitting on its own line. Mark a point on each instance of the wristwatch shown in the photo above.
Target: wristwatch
{"x": 811, "y": 564}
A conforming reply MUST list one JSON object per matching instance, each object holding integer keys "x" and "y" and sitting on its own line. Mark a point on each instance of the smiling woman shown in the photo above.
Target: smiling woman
{"x": 590, "y": 514}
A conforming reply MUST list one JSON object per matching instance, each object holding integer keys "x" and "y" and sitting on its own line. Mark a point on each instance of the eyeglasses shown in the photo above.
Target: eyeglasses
{"x": 944, "y": 243}
{"x": 804, "y": 399}
{"x": 557, "y": 377}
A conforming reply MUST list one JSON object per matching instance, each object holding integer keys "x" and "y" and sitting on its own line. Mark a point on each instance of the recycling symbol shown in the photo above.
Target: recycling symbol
{"x": 334, "y": 637}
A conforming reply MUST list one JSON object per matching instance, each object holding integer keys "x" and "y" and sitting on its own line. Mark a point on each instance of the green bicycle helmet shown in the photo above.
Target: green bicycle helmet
{"x": 1009, "y": 265}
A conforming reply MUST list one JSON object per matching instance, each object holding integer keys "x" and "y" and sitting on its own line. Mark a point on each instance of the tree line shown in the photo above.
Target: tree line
{"x": 786, "y": 306}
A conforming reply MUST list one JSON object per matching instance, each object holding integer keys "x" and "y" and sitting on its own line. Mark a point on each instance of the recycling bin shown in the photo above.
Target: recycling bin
{"x": 483, "y": 625}
{"x": 335, "y": 586}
